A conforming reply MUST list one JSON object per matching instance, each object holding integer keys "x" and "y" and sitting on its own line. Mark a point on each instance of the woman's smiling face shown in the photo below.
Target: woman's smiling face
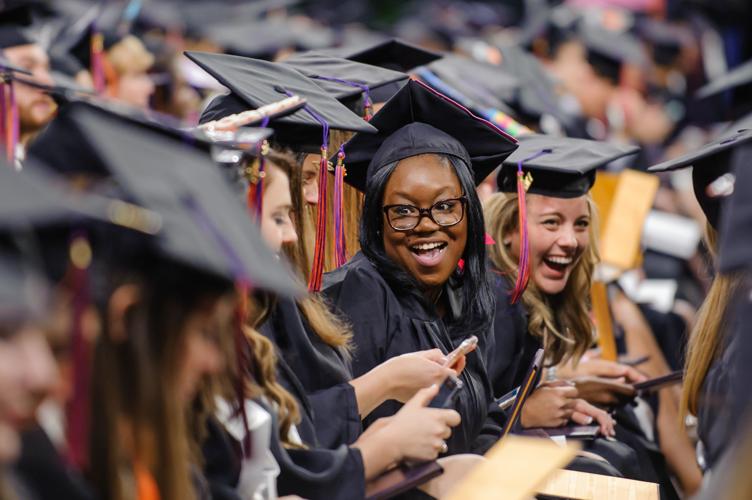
{"x": 428, "y": 252}
{"x": 558, "y": 235}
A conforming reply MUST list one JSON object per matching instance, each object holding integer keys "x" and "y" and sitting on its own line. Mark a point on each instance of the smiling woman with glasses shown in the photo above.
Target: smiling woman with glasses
{"x": 420, "y": 279}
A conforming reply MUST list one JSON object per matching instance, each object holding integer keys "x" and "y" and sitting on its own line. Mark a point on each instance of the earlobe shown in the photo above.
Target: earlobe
{"x": 121, "y": 301}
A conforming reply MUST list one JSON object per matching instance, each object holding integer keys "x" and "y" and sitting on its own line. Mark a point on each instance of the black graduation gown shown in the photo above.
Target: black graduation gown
{"x": 320, "y": 373}
{"x": 512, "y": 350}
{"x": 715, "y": 417}
{"x": 44, "y": 474}
{"x": 386, "y": 325}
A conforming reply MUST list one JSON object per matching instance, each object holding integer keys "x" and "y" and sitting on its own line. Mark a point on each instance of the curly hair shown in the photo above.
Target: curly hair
{"x": 561, "y": 321}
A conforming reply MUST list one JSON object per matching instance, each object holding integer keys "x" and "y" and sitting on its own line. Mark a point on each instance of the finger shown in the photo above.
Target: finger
{"x": 569, "y": 392}
{"x": 557, "y": 383}
{"x": 451, "y": 417}
{"x": 634, "y": 375}
{"x": 422, "y": 397}
{"x": 458, "y": 365}
{"x": 434, "y": 355}
{"x": 581, "y": 418}
{"x": 447, "y": 433}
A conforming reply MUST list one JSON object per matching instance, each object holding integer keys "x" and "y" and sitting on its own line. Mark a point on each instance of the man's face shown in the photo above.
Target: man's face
{"x": 35, "y": 108}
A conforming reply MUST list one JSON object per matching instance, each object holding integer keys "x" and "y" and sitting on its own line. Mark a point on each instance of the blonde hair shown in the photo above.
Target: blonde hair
{"x": 562, "y": 323}
{"x": 705, "y": 340}
{"x": 130, "y": 55}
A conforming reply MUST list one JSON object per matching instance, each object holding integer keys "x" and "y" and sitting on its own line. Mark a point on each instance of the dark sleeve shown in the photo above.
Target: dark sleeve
{"x": 505, "y": 351}
{"x": 335, "y": 415}
{"x": 362, "y": 298}
{"x": 42, "y": 471}
{"x": 221, "y": 462}
{"x": 317, "y": 473}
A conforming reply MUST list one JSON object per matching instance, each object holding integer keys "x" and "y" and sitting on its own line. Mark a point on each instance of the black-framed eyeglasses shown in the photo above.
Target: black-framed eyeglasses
{"x": 443, "y": 213}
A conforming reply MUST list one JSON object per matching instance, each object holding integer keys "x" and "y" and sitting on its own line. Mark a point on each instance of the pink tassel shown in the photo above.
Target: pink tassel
{"x": 523, "y": 268}
{"x": 97, "y": 62}
{"x": 489, "y": 240}
{"x": 340, "y": 244}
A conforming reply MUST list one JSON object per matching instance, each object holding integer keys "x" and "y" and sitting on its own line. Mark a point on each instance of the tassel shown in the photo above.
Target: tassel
{"x": 255, "y": 175}
{"x": 523, "y": 269}
{"x": 367, "y": 101}
{"x": 97, "y": 61}
{"x": 146, "y": 485}
{"x": 340, "y": 245}
{"x": 77, "y": 411}
{"x": 243, "y": 358}
{"x": 317, "y": 269}
{"x": 10, "y": 125}
{"x": 4, "y": 115}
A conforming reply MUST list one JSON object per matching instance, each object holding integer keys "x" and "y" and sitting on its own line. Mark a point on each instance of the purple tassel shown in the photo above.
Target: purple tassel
{"x": 340, "y": 244}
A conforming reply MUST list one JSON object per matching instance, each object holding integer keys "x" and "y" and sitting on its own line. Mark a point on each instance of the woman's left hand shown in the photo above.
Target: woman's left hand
{"x": 585, "y": 413}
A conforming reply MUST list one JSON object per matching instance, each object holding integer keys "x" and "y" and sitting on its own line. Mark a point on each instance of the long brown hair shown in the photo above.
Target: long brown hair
{"x": 138, "y": 418}
{"x": 332, "y": 329}
{"x": 562, "y": 322}
{"x": 706, "y": 338}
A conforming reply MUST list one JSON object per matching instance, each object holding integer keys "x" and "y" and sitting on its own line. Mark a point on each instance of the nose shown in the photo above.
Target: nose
{"x": 43, "y": 76}
{"x": 426, "y": 224}
{"x": 40, "y": 370}
{"x": 289, "y": 235}
{"x": 567, "y": 239}
{"x": 212, "y": 359}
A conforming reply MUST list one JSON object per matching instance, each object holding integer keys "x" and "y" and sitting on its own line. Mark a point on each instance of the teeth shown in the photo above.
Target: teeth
{"x": 427, "y": 246}
{"x": 563, "y": 261}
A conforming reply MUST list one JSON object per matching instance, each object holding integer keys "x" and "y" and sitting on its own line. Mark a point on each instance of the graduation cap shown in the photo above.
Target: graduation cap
{"x": 560, "y": 167}
{"x": 204, "y": 224}
{"x": 393, "y": 54}
{"x": 345, "y": 79}
{"x": 608, "y": 51}
{"x": 15, "y": 18}
{"x": 255, "y": 83}
{"x": 711, "y": 162}
{"x": 735, "y": 249}
{"x": 419, "y": 120}
{"x": 741, "y": 76}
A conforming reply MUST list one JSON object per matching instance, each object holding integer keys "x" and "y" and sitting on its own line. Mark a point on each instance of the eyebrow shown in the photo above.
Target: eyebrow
{"x": 441, "y": 195}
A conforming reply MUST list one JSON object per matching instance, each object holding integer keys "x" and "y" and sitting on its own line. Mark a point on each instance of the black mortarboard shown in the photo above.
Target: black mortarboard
{"x": 486, "y": 84}
{"x": 735, "y": 249}
{"x": 392, "y": 54}
{"x": 709, "y": 163}
{"x": 608, "y": 51}
{"x": 419, "y": 120}
{"x": 560, "y": 167}
{"x": 258, "y": 83}
{"x": 344, "y": 78}
{"x": 15, "y": 18}
{"x": 735, "y": 78}
{"x": 204, "y": 224}
{"x": 666, "y": 40}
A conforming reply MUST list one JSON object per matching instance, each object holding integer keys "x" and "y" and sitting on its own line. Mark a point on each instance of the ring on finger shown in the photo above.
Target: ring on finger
{"x": 443, "y": 448}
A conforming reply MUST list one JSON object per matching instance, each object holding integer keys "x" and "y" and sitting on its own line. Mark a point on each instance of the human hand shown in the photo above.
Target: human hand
{"x": 406, "y": 374}
{"x": 419, "y": 433}
{"x": 550, "y": 405}
{"x": 604, "y": 391}
{"x": 584, "y": 414}
{"x": 608, "y": 369}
